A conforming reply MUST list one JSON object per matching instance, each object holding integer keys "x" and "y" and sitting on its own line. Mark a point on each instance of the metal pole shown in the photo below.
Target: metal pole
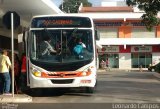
{"x": 62, "y": 5}
{"x": 12, "y": 46}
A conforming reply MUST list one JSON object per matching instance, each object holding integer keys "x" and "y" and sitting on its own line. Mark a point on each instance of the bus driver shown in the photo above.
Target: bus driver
{"x": 46, "y": 47}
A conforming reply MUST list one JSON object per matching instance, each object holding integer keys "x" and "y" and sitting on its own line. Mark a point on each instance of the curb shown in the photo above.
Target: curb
{"x": 18, "y": 98}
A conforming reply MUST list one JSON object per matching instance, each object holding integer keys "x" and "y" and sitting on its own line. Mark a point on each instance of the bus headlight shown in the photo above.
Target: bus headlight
{"x": 84, "y": 73}
{"x": 36, "y": 73}
{"x": 87, "y": 71}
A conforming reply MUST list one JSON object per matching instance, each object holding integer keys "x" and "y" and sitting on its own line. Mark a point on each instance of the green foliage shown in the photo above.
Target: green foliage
{"x": 71, "y": 6}
{"x": 151, "y": 8}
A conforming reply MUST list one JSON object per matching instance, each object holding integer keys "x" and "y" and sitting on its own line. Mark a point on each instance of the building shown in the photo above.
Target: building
{"x": 126, "y": 42}
{"x": 26, "y": 9}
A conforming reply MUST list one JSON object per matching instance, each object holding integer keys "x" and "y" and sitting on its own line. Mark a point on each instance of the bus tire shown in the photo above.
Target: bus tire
{"x": 91, "y": 89}
{"x": 152, "y": 70}
{"x": 36, "y": 92}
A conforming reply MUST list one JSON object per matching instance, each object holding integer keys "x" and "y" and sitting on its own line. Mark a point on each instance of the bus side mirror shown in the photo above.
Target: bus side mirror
{"x": 97, "y": 36}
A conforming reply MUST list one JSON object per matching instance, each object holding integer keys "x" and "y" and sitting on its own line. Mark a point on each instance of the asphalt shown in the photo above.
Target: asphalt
{"x": 156, "y": 74}
{"x": 23, "y": 98}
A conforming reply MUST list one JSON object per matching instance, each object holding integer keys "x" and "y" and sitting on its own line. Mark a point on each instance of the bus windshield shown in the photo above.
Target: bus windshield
{"x": 61, "y": 45}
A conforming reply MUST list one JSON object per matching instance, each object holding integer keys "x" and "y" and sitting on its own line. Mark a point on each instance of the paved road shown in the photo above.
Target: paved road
{"x": 113, "y": 87}
{"x": 129, "y": 87}
{"x": 136, "y": 90}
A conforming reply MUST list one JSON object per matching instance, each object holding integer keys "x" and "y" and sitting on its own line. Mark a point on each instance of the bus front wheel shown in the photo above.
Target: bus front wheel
{"x": 36, "y": 91}
{"x": 90, "y": 89}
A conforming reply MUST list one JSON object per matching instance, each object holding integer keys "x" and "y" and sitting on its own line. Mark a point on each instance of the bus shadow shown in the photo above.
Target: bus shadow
{"x": 57, "y": 92}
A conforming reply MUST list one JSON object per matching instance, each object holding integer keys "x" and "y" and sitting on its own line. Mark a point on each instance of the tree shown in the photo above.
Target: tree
{"x": 71, "y": 6}
{"x": 151, "y": 9}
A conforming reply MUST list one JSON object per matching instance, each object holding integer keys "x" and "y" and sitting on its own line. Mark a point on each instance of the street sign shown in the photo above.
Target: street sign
{"x": 7, "y": 20}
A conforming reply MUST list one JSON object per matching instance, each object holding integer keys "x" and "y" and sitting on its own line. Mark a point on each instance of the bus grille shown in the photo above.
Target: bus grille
{"x": 63, "y": 75}
{"x": 63, "y": 81}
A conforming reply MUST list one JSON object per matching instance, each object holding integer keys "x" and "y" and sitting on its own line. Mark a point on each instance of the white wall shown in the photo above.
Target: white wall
{"x": 143, "y": 33}
{"x": 113, "y": 3}
{"x": 108, "y": 32}
{"x": 125, "y": 61}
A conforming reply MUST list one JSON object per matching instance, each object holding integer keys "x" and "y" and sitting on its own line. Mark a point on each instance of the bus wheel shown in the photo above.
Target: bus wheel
{"x": 90, "y": 89}
{"x": 153, "y": 70}
{"x": 36, "y": 92}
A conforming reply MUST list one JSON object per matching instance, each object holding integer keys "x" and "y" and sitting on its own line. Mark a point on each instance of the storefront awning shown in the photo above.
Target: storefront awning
{"x": 129, "y": 41}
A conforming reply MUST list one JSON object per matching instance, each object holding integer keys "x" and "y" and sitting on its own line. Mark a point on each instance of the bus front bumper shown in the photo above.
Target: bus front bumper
{"x": 88, "y": 81}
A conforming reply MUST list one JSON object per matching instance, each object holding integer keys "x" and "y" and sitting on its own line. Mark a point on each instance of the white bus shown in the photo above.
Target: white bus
{"x": 59, "y": 63}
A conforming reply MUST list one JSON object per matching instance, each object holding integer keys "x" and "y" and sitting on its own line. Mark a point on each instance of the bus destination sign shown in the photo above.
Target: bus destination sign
{"x": 50, "y": 22}
{"x": 58, "y": 22}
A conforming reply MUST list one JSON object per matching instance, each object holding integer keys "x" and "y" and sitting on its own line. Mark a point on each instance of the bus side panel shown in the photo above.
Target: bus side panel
{"x": 27, "y": 55}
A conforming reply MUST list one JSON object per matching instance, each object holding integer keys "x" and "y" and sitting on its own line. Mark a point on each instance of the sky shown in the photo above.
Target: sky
{"x": 94, "y": 2}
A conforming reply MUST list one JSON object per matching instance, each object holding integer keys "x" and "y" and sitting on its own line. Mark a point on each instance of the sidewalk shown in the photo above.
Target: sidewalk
{"x": 113, "y": 69}
{"x": 18, "y": 98}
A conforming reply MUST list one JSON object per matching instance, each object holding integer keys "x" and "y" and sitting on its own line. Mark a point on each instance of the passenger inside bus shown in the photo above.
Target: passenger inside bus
{"x": 78, "y": 49}
{"x": 62, "y": 46}
{"x": 46, "y": 47}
